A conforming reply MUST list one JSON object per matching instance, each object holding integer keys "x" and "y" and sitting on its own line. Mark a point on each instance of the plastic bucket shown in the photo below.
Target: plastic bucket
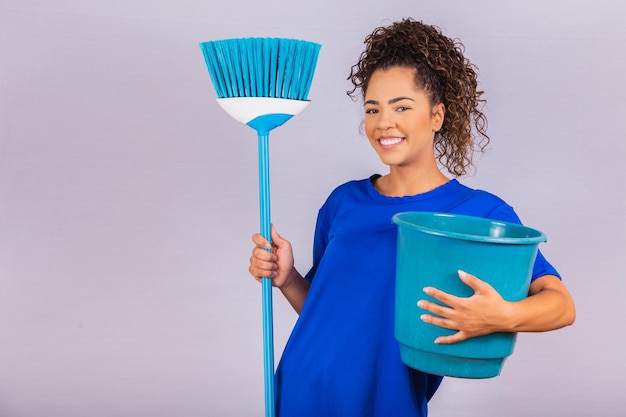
{"x": 432, "y": 247}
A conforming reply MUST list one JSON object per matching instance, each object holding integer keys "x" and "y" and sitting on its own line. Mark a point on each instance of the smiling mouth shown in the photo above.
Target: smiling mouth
{"x": 390, "y": 141}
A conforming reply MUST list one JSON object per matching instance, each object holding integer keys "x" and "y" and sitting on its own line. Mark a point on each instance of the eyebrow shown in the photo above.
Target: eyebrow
{"x": 393, "y": 100}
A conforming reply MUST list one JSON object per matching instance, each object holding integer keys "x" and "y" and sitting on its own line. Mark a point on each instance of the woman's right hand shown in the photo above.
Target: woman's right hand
{"x": 277, "y": 264}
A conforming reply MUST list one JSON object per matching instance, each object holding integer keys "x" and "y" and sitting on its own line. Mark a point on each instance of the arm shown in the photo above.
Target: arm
{"x": 279, "y": 266}
{"x": 549, "y": 306}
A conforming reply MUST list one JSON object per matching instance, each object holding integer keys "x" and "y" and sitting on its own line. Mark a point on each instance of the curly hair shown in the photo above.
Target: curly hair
{"x": 443, "y": 73}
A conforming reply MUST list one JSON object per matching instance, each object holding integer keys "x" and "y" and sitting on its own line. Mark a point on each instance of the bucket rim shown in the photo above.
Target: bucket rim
{"x": 539, "y": 238}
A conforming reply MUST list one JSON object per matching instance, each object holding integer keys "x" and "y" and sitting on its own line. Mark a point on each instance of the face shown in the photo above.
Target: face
{"x": 400, "y": 123}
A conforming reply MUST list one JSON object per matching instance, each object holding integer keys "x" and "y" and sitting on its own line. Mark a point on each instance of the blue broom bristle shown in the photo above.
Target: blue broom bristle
{"x": 261, "y": 67}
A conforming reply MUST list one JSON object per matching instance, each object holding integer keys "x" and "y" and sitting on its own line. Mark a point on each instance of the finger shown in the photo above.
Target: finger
{"x": 276, "y": 238}
{"x": 444, "y": 297}
{"x": 434, "y": 308}
{"x": 266, "y": 270}
{"x": 455, "y": 338}
{"x": 473, "y": 282}
{"x": 255, "y": 273}
{"x": 260, "y": 241}
{"x": 439, "y": 322}
{"x": 263, "y": 254}
{"x": 263, "y": 260}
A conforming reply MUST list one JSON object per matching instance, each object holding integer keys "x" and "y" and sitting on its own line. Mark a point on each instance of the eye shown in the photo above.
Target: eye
{"x": 402, "y": 108}
{"x": 371, "y": 111}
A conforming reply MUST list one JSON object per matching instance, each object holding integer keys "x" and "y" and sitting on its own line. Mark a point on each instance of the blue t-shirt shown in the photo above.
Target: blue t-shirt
{"x": 342, "y": 358}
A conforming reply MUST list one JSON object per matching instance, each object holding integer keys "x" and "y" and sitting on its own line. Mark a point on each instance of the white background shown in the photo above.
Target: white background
{"x": 128, "y": 198}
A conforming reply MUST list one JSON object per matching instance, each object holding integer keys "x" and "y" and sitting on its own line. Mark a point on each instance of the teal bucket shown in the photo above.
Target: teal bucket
{"x": 432, "y": 248}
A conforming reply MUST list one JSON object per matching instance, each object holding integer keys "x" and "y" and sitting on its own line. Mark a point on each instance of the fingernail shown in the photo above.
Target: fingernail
{"x": 462, "y": 273}
{"x": 420, "y": 303}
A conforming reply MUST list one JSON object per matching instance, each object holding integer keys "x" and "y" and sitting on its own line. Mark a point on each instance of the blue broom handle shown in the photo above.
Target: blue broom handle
{"x": 268, "y": 331}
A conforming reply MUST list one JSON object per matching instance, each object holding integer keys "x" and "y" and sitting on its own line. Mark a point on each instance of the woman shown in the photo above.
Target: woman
{"x": 421, "y": 109}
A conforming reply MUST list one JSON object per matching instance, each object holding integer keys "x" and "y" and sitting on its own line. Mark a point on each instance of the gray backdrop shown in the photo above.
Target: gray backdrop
{"x": 128, "y": 198}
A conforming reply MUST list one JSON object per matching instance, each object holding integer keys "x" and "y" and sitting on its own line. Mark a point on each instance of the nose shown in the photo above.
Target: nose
{"x": 385, "y": 119}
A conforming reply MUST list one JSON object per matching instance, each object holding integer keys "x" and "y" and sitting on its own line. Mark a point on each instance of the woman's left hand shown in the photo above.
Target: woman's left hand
{"x": 482, "y": 313}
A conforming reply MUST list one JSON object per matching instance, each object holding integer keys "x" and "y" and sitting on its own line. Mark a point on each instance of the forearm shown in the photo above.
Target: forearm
{"x": 295, "y": 290}
{"x": 548, "y": 306}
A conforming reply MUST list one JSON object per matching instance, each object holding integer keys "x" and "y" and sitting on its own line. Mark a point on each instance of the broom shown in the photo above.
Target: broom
{"x": 262, "y": 82}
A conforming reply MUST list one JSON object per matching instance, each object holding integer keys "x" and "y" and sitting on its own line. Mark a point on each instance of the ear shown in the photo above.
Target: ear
{"x": 438, "y": 114}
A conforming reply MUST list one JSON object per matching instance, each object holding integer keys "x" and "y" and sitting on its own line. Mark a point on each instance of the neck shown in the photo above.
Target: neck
{"x": 403, "y": 182}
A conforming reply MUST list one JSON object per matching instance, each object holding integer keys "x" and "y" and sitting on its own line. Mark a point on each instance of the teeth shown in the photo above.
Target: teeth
{"x": 390, "y": 141}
